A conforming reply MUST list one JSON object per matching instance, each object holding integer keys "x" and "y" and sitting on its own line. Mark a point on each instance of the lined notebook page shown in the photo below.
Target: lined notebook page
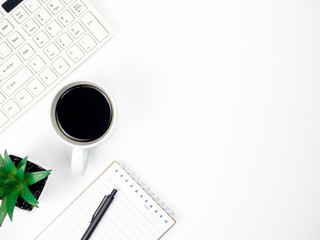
{"x": 132, "y": 215}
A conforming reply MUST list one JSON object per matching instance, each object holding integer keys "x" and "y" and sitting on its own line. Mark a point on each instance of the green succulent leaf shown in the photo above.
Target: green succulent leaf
{"x": 2, "y": 172}
{"x": 11, "y": 181}
{"x": 34, "y": 177}
{"x": 1, "y": 161}
{"x": 2, "y": 179}
{"x": 28, "y": 197}
{"x": 3, "y": 209}
{"x": 21, "y": 169}
{"x": 4, "y": 190}
{"x": 8, "y": 164}
{"x": 11, "y": 201}
{"x": 22, "y": 162}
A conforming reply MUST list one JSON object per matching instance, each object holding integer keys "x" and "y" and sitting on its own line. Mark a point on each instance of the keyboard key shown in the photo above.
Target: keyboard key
{"x": 20, "y": 14}
{"x": 87, "y": 43}
{"x": 66, "y": 18}
{"x": 55, "y": 6}
{"x": 15, "y": 39}
{"x": 9, "y": 66}
{"x": 41, "y": 39}
{"x": 37, "y": 64}
{"x": 5, "y": 50}
{"x": 26, "y": 52}
{"x": 1, "y": 15}
{"x": 48, "y": 76}
{"x": 43, "y": 16}
{"x": 2, "y": 98}
{"x": 36, "y": 87}
{"x": 94, "y": 26}
{"x": 52, "y": 51}
{"x": 67, "y": 1}
{"x": 32, "y": 5}
{"x": 5, "y": 27}
{"x": 78, "y": 8}
{"x": 61, "y": 66}
{"x": 30, "y": 27}
{"x": 11, "y": 108}
{"x": 3, "y": 119}
{"x": 15, "y": 82}
{"x": 75, "y": 53}
{"x": 53, "y": 29}
{"x": 76, "y": 30}
{"x": 23, "y": 97}
{"x": 64, "y": 40}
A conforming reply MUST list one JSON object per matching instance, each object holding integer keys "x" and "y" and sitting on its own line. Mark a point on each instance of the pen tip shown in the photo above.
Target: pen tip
{"x": 114, "y": 191}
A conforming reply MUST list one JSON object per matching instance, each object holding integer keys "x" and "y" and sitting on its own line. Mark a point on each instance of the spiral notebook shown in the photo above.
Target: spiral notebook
{"x": 133, "y": 215}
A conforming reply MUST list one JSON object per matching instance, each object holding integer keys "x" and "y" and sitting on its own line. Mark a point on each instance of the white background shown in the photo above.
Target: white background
{"x": 218, "y": 111}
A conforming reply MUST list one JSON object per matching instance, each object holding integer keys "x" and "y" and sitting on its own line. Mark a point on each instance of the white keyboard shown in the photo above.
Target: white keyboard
{"x": 41, "y": 41}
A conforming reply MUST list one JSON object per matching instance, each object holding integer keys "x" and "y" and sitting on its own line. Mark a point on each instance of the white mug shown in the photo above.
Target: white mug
{"x": 79, "y": 159}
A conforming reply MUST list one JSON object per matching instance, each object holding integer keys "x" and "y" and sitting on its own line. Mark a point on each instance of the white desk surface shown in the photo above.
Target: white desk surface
{"x": 218, "y": 111}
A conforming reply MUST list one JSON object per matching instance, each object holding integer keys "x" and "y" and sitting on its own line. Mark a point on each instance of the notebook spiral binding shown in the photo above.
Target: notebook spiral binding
{"x": 155, "y": 197}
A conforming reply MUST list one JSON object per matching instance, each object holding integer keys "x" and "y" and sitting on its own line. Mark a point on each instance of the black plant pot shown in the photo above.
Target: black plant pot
{"x": 36, "y": 189}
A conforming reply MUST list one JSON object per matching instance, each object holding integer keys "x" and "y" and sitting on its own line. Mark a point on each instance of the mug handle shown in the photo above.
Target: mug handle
{"x": 79, "y": 161}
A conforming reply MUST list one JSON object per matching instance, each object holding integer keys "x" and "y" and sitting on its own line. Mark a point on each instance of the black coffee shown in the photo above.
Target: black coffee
{"x": 83, "y": 113}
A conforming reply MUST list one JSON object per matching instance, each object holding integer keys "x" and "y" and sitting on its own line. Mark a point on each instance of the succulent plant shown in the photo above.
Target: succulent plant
{"x": 14, "y": 182}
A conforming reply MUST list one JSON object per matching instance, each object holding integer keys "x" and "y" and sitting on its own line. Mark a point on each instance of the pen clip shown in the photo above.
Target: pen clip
{"x": 95, "y": 213}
